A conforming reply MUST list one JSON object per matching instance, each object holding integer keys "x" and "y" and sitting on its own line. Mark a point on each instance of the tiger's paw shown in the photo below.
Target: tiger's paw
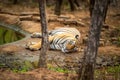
{"x": 36, "y": 35}
{"x": 32, "y": 46}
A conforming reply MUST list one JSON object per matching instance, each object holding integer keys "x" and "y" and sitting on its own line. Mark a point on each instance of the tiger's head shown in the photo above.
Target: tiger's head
{"x": 72, "y": 45}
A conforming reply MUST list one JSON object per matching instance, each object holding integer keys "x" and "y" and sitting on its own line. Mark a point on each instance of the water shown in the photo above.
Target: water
{"x": 8, "y": 35}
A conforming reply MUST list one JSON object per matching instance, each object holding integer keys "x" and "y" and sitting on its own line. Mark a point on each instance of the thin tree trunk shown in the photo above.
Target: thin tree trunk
{"x": 77, "y": 3}
{"x": 58, "y": 5}
{"x": 72, "y": 6}
{"x": 106, "y": 8}
{"x": 92, "y": 3}
{"x": 15, "y": 1}
{"x": 44, "y": 47}
{"x": 87, "y": 69}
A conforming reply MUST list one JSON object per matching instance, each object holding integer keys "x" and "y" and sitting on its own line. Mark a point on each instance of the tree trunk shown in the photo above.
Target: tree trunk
{"x": 91, "y": 6}
{"x": 106, "y": 8}
{"x": 44, "y": 47}
{"x": 58, "y": 5}
{"x": 15, "y": 1}
{"x": 77, "y": 3}
{"x": 87, "y": 69}
{"x": 92, "y": 3}
{"x": 72, "y": 6}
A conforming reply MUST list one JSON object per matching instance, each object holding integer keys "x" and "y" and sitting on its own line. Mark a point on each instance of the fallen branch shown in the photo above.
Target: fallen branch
{"x": 29, "y": 18}
{"x": 10, "y": 13}
{"x": 29, "y": 13}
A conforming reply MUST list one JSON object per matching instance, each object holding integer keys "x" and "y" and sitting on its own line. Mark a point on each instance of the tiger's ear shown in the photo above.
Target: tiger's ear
{"x": 77, "y": 36}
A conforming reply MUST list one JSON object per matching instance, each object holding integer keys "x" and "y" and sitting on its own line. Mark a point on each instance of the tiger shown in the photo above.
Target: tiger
{"x": 64, "y": 39}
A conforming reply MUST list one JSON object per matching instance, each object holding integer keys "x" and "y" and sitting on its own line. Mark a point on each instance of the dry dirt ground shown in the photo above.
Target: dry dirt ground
{"x": 38, "y": 74}
{"x": 27, "y": 19}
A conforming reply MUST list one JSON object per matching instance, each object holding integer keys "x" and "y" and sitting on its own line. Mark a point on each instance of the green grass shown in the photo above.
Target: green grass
{"x": 108, "y": 70}
{"x": 23, "y": 69}
{"x": 18, "y": 67}
{"x": 26, "y": 67}
{"x": 8, "y": 35}
{"x": 59, "y": 69}
{"x": 112, "y": 72}
{"x": 114, "y": 69}
{"x": 104, "y": 70}
{"x": 118, "y": 42}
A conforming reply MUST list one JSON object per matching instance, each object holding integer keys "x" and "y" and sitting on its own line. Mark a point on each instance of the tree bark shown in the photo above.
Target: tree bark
{"x": 106, "y": 8}
{"x": 72, "y": 6}
{"x": 77, "y": 3}
{"x": 58, "y": 5}
{"x": 91, "y": 6}
{"x": 15, "y": 1}
{"x": 44, "y": 47}
{"x": 92, "y": 3}
{"x": 87, "y": 70}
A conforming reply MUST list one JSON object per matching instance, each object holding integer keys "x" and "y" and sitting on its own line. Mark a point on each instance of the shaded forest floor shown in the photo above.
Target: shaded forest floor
{"x": 27, "y": 17}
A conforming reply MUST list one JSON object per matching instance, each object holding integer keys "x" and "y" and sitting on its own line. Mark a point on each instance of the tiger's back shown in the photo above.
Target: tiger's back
{"x": 65, "y": 39}
{"x": 71, "y": 31}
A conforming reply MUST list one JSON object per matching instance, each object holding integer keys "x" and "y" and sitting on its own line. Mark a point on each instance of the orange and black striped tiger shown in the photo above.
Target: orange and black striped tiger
{"x": 64, "y": 39}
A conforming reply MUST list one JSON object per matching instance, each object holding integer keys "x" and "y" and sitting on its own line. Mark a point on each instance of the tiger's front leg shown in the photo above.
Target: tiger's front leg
{"x": 36, "y": 35}
{"x": 33, "y": 46}
{"x": 37, "y": 45}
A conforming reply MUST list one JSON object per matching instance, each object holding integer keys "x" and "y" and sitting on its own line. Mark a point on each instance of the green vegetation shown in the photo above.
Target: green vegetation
{"x": 100, "y": 74}
{"x": 19, "y": 67}
{"x": 114, "y": 69}
{"x": 2, "y": 65}
{"x": 111, "y": 71}
{"x": 58, "y": 69}
{"x": 118, "y": 36}
{"x": 108, "y": 70}
{"x": 104, "y": 73}
{"x": 27, "y": 66}
{"x": 7, "y": 35}
{"x": 118, "y": 42}
{"x": 115, "y": 35}
{"x": 23, "y": 69}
